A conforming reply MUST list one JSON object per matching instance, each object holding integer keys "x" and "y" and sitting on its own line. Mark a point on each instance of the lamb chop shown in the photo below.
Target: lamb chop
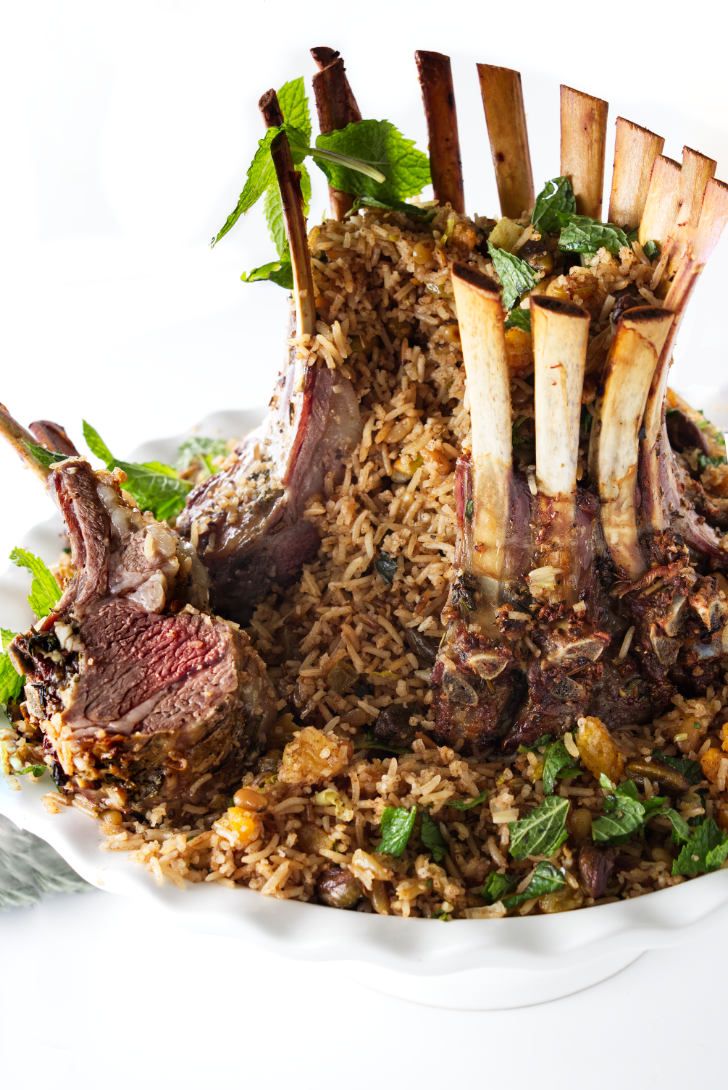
{"x": 143, "y": 697}
{"x": 247, "y": 522}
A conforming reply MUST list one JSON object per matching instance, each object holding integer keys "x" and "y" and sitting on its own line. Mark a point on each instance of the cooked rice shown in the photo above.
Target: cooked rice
{"x": 335, "y": 641}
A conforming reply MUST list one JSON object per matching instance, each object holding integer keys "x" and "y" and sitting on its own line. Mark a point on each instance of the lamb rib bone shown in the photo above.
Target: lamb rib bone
{"x": 635, "y": 152}
{"x": 583, "y": 142}
{"x": 247, "y": 521}
{"x": 439, "y": 101}
{"x": 142, "y": 696}
{"x": 336, "y": 108}
{"x": 505, "y": 117}
{"x": 473, "y": 681}
{"x": 630, "y": 367}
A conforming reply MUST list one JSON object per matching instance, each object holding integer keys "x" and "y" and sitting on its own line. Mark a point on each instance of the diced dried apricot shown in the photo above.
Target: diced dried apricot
{"x": 598, "y": 750}
{"x": 312, "y": 757}
{"x": 563, "y": 901}
{"x": 710, "y": 763}
{"x": 724, "y": 737}
{"x": 519, "y": 350}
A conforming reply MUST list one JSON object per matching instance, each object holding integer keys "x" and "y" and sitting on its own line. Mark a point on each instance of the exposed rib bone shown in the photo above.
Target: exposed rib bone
{"x": 336, "y": 108}
{"x": 289, "y": 182}
{"x": 663, "y": 196}
{"x": 505, "y": 117}
{"x": 560, "y": 335}
{"x": 631, "y": 365}
{"x": 660, "y": 489}
{"x": 696, "y": 172}
{"x": 480, "y": 317}
{"x": 439, "y": 98}
{"x": 19, "y": 439}
{"x": 635, "y": 152}
{"x": 53, "y": 437}
{"x": 583, "y": 142}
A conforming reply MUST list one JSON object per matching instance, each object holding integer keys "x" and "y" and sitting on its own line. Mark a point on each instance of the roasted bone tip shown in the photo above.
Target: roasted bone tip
{"x": 475, "y": 279}
{"x": 323, "y": 55}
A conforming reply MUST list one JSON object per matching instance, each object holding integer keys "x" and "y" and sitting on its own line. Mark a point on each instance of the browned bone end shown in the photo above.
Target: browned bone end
{"x": 661, "y": 205}
{"x": 289, "y": 182}
{"x": 438, "y": 95}
{"x": 323, "y": 55}
{"x": 505, "y": 118}
{"x": 475, "y": 278}
{"x": 558, "y": 306}
{"x": 583, "y": 145}
{"x": 53, "y": 437}
{"x": 336, "y": 108}
{"x": 635, "y": 152}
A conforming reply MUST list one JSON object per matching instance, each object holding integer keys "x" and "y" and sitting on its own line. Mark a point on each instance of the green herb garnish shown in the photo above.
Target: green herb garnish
{"x": 516, "y": 276}
{"x": 546, "y": 878}
{"x": 432, "y": 838}
{"x": 624, "y": 812}
{"x": 200, "y": 449}
{"x": 557, "y": 762}
{"x": 43, "y": 457}
{"x": 469, "y": 510}
{"x": 396, "y": 828}
{"x": 651, "y": 250}
{"x": 31, "y": 770}
{"x": 519, "y": 318}
{"x": 11, "y": 682}
{"x": 583, "y": 235}
{"x": 426, "y": 215}
{"x": 705, "y": 850}
{"x": 156, "y": 487}
{"x": 542, "y": 832}
{"x": 496, "y": 886}
{"x": 554, "y": 204}
{"x": 372, "y": 160}
{"x": 44, "y": 589}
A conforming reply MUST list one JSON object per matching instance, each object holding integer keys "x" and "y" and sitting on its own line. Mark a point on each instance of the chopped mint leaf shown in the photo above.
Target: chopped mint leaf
{"x": 519, "y": 318}
{"x": 293, "y": 102}
{"x": 705, "y": 850}
{"x": 516, "y": 276}
{"x": 96, "y": 445}
{"x": 469, "y": 510}
{"x": 681, "y": 831}
{"x": 651, "y": 250}
{"x": 396, "y": 829}
{"x": 542, "y": 832}
{"x": 44, "y": 589}
{"x": 432, "y": 838}
{"x": 546, "y": 878}
{"x": 381, "y": 145}
{"x": 557, "y": 761}
{"x": 496, "y": 886}
{"x": 469, "y": 804}
{"x": 555, "y": 202}
{"x": 31, "y": 770}
{"x": 583, "y": 235}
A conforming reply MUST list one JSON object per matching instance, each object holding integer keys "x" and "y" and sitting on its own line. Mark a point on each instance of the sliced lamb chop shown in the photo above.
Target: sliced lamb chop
{"x": 142, "y": 696}
{"x": 247, "y": 521}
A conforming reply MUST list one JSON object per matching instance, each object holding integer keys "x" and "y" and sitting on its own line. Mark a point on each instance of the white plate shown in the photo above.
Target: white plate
{"x": 461, "y": 963}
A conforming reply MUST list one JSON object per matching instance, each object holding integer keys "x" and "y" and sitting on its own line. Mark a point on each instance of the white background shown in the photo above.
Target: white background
{"x": 126, "y": 131}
